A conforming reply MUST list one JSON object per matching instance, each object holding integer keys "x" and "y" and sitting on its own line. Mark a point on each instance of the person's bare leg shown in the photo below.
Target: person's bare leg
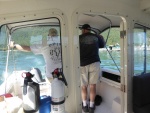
{"x": 84, "y": 99}
{"x": 92, "y": 93}
{"x": 84, "y": 93}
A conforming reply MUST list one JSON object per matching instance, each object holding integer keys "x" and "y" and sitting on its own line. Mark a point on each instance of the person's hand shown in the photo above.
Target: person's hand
{"x": 12, "y": 44}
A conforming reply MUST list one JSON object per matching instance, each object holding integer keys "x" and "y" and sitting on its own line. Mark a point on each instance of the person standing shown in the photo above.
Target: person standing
{"x": 50, "y": 49}
{"x": 89, "y": 65}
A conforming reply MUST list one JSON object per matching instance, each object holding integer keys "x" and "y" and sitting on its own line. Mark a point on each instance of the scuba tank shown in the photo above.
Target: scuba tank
{"x": 58, "y": 92}
{"x": 31, "y": 94}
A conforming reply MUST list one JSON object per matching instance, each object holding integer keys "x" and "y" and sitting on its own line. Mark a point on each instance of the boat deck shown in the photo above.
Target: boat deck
{"x": 102, "y": 108}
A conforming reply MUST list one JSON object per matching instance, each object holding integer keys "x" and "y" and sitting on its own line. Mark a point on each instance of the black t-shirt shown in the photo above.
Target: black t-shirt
{"x": 89, "y": 48}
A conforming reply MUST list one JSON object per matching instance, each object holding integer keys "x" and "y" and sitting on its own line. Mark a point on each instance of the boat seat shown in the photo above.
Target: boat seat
{"x": 141, "y": 93}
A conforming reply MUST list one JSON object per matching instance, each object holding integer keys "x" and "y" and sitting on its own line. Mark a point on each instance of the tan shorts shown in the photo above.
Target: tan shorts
{"x": 90, "y": 74}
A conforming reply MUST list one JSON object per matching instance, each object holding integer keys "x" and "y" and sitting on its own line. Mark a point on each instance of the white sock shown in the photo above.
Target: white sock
{"x": 91, "y": 104}
{"x": 84, "y": 103}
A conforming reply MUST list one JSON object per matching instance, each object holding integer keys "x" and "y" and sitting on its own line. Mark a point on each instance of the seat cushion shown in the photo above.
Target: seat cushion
{"x": 141, "y": 90}
{"x": 145, "y": 109}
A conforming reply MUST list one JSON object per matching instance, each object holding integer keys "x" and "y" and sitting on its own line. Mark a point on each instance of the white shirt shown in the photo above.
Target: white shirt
{"x": 51, "y": 53}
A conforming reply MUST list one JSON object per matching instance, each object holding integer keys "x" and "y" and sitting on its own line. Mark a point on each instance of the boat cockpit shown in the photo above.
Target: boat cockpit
{"x": 124, "y": 56}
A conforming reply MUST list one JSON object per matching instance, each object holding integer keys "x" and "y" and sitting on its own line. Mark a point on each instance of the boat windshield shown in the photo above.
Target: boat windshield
{"x": 3, "y": 53}
{"x": 33, "y": 34}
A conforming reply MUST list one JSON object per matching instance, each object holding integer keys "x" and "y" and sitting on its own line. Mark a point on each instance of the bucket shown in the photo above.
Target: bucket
{"x": 45, "y": 103}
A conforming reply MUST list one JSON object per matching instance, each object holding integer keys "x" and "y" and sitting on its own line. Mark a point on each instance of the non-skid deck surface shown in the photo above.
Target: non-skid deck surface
{"x": 102, "y": 109}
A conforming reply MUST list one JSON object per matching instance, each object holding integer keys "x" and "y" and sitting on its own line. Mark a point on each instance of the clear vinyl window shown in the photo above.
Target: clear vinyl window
{"x": 36, "y": 35}
{"x": 141, "y": 49}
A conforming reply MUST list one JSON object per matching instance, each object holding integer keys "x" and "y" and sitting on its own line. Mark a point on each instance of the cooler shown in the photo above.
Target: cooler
{"x": 45, "y": 104}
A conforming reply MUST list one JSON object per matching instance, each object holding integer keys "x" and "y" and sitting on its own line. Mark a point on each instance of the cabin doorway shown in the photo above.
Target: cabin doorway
{"x": 111, "y": 85}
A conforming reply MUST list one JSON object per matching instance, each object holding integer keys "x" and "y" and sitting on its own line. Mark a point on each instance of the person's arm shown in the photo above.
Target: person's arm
{"x": 20, "y": 47}
{"x": 101, "y": 41}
